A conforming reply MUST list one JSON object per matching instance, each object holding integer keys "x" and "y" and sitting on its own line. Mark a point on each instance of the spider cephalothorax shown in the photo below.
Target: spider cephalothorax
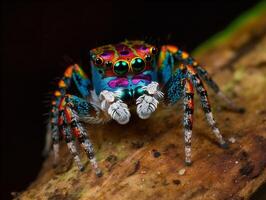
{"x": 122, "y": 75}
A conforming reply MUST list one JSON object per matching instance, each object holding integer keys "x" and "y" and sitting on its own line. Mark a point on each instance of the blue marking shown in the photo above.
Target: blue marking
{"x": 100, "y": 83}
{"x": 175, "y": 86}
{"x": 97, "y": 80}
{"x": 82, "y": 106}
{"x": 82, "y": 84}
{"x": 166, "y": 69}
{"x": 152, "y": 73}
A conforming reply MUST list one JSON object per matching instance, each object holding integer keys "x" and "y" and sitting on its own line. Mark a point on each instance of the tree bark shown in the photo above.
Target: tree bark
{"x": 145, "y": 158}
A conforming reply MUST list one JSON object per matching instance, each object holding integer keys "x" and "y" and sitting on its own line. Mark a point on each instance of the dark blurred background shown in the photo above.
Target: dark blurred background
{"x": 35, "y": 37}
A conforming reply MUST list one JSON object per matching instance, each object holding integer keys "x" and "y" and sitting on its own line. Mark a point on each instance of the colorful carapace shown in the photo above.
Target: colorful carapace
{"x": 122, "y": 75}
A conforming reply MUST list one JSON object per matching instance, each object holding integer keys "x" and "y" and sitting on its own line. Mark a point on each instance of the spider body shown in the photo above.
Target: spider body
{"x": 123, "y": 68}
{"x": 122, "y": 75}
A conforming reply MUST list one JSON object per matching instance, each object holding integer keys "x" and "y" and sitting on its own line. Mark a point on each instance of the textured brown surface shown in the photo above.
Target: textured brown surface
{"x": 144, "y": 159}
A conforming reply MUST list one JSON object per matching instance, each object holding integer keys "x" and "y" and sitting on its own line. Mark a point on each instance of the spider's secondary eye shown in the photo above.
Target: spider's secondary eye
{"x": 148, "y": 58}
{"x": 108, "y": 64}
{"x": 98, "y": 61}
{"x": 153, "y": 50}
{"x": 137, "y": 65}
{"x": 121, "y": 67}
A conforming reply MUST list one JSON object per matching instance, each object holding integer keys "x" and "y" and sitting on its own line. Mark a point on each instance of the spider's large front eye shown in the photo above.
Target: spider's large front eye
{"x": 137, "y": 65}
{"x": 121, "y": 67}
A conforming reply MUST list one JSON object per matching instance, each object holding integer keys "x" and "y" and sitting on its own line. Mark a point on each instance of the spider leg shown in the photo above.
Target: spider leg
{"x": 72, "y": 74}
{"x": 73, "y": 109}
{"x": 54, "y": 132}
{"x": 188, "y": 118}
{"x": 69, "y": 139}
{"x": 192, "y": 73}
{"x": 180, "y": 84}
{"x": 186, "y": 59}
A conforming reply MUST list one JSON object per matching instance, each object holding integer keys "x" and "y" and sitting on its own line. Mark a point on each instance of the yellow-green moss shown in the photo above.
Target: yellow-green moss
{"x": 247, "y": 17}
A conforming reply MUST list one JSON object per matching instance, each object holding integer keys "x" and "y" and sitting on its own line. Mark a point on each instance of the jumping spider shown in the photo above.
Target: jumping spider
{"x": 124, "y": 74}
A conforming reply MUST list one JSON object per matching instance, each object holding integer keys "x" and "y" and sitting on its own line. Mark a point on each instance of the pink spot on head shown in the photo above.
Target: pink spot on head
{"x": 118, "y": 82}
{"x": 141, "y": 48}
{"x": 107, "y": 54}
{"x": 136, "y": 79}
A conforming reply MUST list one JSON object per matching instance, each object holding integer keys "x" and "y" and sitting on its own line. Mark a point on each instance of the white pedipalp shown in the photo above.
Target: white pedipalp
{"x": 148, "y": 103}
{"x": 116, "y": 108}
{"x": 108, "y": 96}
{"x": 119, "y": 111}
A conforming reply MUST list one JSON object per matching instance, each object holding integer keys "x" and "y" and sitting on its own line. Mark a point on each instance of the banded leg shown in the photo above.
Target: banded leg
{"x": 72, "y": 74}
{"x": 188, "y": 118}
{"x": 69, "y": 139}
{"x": 186, "y": 59}
{"x": 205, "y": 103}
{"x": 72, "y": 108}
{"x": 54, "y": 132}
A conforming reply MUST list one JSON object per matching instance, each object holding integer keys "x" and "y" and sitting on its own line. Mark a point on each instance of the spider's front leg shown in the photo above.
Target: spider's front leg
{"x": 188, "y": 118}
{"x": 173, "y": 92}
{"x": 186, "y": 59}
{"x": 72, "y": 110}
{"x": 59, "y": 123}
{"x": 180, "y": 85}
{"x": 177, "y": 87}
{"x": 198, "y": 84}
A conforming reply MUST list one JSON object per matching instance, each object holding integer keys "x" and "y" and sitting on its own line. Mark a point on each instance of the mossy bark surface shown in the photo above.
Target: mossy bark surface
{"x": 145, "y": 158}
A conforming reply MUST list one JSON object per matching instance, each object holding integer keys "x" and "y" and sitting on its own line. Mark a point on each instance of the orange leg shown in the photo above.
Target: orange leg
{"x": 186, "y": 59}
{"x": 192, "y": 74}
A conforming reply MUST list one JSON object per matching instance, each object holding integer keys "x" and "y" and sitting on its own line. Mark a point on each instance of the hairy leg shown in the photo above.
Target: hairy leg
{"x": 188, "y": 118}
{"x": 181, "y": 84}
{"x": 73, "y": 109}
{"x": 73, "y": 74}
{"x": 186, "y": 59}
{"x": 192, "y": 74}
{"x": 69, "y": 139}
